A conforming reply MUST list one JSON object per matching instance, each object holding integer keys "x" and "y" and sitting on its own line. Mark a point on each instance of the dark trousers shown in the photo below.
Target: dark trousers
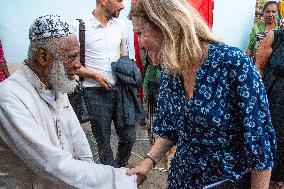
{"x": 101, "y": 105}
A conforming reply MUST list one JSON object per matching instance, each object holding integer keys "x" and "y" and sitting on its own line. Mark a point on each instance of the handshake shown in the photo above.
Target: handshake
{"x": 142, "y": 170}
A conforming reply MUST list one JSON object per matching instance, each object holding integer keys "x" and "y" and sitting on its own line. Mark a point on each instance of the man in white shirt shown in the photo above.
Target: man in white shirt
{"x": 42, "y": 144}
{"x": 104, "y": 36}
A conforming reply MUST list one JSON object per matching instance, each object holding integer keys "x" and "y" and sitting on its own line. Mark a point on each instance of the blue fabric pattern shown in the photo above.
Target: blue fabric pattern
{"x": 225, "y": 129}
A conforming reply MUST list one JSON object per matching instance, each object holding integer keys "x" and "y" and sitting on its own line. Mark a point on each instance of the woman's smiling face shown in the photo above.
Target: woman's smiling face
{"x": 150, "y": 38}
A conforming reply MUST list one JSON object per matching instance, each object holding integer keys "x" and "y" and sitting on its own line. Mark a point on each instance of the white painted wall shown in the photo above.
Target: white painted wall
{"x": 233, "y": 20}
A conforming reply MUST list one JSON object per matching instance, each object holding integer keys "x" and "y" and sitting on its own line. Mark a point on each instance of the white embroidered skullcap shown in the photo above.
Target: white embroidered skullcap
{"x": 49, "y": 26}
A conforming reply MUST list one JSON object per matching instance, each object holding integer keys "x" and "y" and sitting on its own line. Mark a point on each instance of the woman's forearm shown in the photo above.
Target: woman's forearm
{"x": 260, "y": 179}
{"x": 160, "y": 148}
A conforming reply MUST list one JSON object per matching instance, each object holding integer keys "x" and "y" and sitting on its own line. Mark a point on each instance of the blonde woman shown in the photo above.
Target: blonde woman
{"x": 212, "y": 103}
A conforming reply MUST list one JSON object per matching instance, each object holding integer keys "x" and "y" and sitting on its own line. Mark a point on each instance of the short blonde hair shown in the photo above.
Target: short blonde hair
{"x": 185, "y": 33}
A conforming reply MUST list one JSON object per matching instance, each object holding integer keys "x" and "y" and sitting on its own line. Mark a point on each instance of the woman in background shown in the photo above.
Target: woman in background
{"x": 262, "y": 28}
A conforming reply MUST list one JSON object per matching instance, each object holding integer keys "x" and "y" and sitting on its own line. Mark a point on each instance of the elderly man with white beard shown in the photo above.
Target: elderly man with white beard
{"x": 42, "y": 144}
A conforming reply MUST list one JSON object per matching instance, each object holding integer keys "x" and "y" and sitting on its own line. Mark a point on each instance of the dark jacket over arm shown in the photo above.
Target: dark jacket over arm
{"x": 129, "y": 108}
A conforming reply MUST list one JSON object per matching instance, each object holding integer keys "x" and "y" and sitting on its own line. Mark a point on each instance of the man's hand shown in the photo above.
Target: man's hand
{"x": 100, "y": 78}
{"x": 102, "y": 81}
{"x": 140, "y": 179}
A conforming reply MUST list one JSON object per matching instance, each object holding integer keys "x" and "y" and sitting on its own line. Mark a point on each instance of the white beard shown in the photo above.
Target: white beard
{"x": 59, "y": 79}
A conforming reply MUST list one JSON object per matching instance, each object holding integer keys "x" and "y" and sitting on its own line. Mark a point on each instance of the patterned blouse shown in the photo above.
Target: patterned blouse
{"x": 2, "y": 61}
{"x": 224, "y": 130}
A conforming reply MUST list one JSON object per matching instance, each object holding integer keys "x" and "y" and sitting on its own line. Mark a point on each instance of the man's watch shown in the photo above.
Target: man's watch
{"x": 151, "y": 158}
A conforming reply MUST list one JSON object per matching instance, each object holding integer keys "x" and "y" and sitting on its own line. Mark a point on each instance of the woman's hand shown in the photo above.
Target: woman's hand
{"x": 141, "y": 171}
{"x": 158, "y": 150}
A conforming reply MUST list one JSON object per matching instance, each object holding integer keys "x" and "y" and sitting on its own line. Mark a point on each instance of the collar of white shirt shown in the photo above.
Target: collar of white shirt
{"x": 95, "y": 23}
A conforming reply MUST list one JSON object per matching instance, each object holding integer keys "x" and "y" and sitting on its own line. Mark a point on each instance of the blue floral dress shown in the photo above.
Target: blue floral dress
{"x": 225, "y": 129}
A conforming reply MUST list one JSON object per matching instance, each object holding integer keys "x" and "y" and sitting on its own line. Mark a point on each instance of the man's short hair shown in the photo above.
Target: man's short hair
{"x": 47, "y": 27}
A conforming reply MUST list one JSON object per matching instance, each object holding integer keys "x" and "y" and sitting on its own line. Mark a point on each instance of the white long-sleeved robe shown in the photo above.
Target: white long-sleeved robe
{"x": 33, "y": 155}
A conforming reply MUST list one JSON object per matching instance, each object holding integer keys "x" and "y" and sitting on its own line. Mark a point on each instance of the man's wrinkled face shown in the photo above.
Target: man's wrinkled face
{"x": 65, "y": 66}
{"x": 150, "y": 38}
{"x": 59, "y": 78}
{"x": 114, "y": 7}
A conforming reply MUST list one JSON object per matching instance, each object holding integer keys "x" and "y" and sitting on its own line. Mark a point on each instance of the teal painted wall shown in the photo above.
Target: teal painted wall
{"x": 233, "y": 20}
{"x": 17, "y": 15}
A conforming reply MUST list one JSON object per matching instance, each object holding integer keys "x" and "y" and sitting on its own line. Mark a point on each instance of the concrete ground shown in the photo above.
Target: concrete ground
{"x": 157, "y": 178}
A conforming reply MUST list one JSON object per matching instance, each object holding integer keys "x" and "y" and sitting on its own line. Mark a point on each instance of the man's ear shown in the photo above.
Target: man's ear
{"x": 43, "y": 57}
